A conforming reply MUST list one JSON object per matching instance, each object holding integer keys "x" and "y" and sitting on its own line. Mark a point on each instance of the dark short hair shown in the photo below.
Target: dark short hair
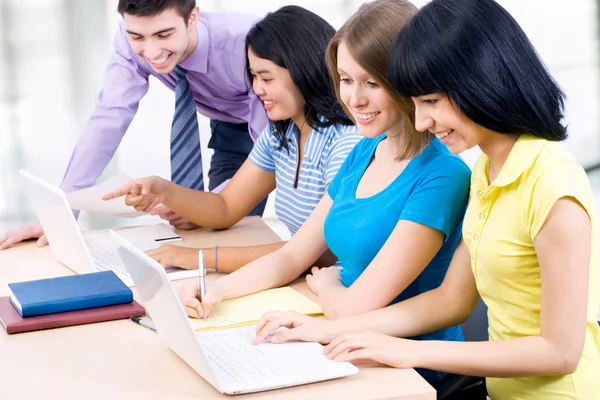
{"x": 476, "y": 53}
{"x": 151, "y": 8}
{"x": 296, "y": 39}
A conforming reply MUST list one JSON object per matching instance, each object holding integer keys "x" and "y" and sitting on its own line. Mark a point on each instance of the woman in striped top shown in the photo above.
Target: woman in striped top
{"x": 298, "y": 154}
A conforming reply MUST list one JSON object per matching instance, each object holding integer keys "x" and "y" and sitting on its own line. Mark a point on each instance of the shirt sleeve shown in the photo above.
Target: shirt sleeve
{"x": 262, "y": 153}
{"x": 563, "y": 179}
{"x": 440, "y": 200}
{"x": 343, "y": 144}
{"x": 124, "y": 85}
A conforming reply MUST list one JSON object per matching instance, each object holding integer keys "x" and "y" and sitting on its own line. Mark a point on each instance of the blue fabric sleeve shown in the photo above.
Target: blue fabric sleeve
{"x": 343, "y": 144}
{"x": 262, "y": 152}
{"x": 334, "y": 187}
{"x": 439, "y": 201}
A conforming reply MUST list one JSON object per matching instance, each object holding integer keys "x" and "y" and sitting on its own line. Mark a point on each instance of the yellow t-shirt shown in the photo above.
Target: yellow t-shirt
{"x": 500, "y": 224}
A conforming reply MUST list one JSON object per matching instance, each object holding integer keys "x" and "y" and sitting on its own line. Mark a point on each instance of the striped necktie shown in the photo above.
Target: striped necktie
{"x": 186, "y": 159}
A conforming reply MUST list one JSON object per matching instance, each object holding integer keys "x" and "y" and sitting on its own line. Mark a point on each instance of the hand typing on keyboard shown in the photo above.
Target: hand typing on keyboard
{"x": 301, "y": 327}
{"x": 188, "y": 296}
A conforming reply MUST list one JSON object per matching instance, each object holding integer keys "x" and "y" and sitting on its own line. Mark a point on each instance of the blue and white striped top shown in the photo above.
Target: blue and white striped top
{"x": 324, "y": 153}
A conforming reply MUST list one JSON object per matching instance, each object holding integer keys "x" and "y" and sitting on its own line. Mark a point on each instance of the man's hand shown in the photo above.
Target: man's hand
{"x": 169, "y": 255}
{"x": 174, "y": 219}
{"x": 143, "y": 194}
{"x": 33, "y": 231}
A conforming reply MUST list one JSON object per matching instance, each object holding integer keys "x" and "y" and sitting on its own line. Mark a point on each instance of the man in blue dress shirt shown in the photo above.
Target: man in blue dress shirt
{"x": 201, "y": 56}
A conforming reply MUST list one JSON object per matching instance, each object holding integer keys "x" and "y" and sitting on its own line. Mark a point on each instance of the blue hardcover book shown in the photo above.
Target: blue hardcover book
{"x": 69, "y": 293}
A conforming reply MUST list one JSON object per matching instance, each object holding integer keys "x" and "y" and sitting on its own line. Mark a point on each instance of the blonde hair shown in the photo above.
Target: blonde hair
{"x": 368, "y": 34}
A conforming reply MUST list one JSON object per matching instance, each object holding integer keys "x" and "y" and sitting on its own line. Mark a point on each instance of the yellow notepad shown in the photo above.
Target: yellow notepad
{"x": 248, "y": 310}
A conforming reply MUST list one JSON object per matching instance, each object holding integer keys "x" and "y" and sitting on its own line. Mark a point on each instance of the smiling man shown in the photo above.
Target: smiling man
{"x": 201, "y": 56}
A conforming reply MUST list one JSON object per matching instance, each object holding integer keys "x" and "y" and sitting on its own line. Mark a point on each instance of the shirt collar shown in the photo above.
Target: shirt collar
{"x": 197, "y": 61}
{"x": 292, "y": 129}
{"x": 520, "y": 158}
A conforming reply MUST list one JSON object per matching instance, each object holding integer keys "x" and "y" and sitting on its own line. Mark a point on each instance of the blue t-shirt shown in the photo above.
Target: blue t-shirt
{"x": 325, "y": 151}
{"x": 432, "y": 190}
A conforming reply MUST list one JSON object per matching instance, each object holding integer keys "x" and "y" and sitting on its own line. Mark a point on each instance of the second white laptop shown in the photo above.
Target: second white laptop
{"x": 65, "y": 238}
{"x": 225, "y": 358}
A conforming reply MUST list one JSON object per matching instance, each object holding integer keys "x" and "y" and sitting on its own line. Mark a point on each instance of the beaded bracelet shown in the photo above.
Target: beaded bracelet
{"x": 217, "y": 259}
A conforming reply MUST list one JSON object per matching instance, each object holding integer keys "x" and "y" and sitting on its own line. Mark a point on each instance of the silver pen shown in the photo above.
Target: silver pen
{"x": 202, "y": 273}
{"x": 144, "y": 323}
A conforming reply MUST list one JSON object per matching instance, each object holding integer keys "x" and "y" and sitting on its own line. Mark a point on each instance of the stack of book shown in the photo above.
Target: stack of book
{"x": 66, "y": 301}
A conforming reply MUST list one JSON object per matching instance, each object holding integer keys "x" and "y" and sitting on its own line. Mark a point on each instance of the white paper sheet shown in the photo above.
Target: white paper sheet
{"x": 90, "y": 199}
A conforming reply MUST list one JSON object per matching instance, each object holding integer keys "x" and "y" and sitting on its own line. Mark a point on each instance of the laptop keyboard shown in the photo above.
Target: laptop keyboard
{"x": 108, "y": 260}
{"x": 233, "y": 352}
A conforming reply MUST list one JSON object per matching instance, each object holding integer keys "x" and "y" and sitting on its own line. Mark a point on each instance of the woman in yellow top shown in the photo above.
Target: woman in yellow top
{"x": 530, "y": 244}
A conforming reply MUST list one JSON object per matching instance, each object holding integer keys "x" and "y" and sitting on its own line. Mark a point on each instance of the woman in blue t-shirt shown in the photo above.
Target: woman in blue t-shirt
{"x": 298, "y": 153}
{"x": 392, "y": 214}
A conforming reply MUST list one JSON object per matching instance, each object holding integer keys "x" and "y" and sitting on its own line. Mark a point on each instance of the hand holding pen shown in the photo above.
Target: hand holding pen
{"x": 197, "y": 298}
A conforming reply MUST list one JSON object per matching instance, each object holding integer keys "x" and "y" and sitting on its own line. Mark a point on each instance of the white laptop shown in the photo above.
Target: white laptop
{"x": 225, "y": 358}
{"x": 65, "y": 239}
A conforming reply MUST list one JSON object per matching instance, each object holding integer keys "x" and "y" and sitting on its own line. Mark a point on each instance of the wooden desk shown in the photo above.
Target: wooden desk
{"x": 122, "y": 360}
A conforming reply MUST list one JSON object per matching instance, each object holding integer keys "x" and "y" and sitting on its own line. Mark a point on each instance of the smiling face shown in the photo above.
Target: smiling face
{"x": 163, "y": 40}
{"x": 274, "y": 86}
{"x": 372, "y": 107}
{"x": 436, "y": 113}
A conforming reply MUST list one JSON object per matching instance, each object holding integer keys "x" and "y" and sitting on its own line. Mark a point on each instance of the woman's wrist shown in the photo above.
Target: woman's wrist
{"x": 420, "y": 353}
{"x": 220, "y": 289}
{"x": 212, "y": 259}
{"x": 333, "y": 328}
